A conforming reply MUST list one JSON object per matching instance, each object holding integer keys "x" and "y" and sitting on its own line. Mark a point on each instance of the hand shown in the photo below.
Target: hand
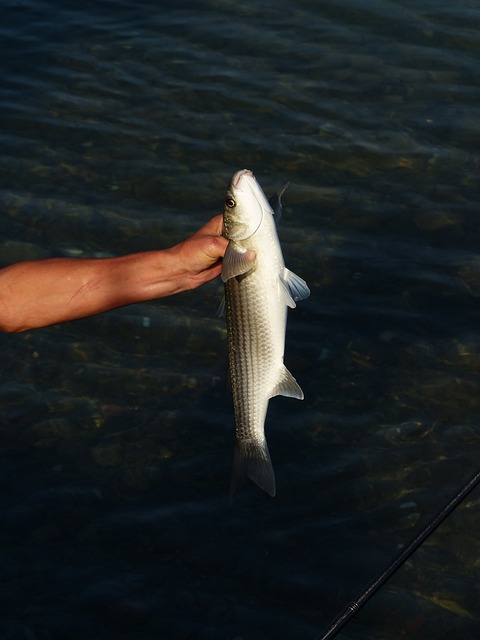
{"x": 200, "y": 256}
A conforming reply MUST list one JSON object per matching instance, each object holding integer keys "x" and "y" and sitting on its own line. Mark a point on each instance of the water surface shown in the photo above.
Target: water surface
{"x": 121, "y": 126}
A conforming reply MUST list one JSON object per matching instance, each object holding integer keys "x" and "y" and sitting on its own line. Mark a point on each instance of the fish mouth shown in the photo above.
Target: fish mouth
{"x": 236, "y": 184}
{"x": 237, "y": 178}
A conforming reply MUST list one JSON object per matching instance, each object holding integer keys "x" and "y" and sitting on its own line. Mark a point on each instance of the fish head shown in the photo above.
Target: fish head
{"x": 245, "y": 206}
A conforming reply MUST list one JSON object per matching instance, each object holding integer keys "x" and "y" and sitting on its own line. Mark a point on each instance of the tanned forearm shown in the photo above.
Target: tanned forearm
{"x": 43, "y": 292}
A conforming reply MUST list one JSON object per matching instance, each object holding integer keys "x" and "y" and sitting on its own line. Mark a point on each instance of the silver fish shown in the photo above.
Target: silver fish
{"x": 258, "y": 290}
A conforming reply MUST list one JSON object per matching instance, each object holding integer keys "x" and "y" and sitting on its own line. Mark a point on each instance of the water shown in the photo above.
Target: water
{"x": 121, "y": 125}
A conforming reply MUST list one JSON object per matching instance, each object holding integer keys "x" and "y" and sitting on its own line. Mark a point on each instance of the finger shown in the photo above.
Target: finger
{"x": 215, "y": 247}
{"x": 213, "y": 227}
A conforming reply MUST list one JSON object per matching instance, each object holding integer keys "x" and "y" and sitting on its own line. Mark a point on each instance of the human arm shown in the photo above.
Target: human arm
{"x": 38, "y": 293}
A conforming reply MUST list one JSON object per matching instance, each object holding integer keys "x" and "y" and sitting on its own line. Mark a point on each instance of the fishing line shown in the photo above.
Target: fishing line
{"x": 353, "y": 608}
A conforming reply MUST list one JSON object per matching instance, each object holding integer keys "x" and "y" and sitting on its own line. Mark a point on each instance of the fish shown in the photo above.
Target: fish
{"x": 258, "y": 291}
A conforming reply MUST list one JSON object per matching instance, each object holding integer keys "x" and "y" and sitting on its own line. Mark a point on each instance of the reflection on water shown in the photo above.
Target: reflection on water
{"x": 121, "y": 126}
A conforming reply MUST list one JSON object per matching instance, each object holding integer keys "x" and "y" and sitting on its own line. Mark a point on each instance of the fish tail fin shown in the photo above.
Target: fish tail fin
{"x": 252, "y": 459}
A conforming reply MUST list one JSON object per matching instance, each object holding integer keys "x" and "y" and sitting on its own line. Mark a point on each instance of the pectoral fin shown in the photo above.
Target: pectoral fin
{"x": 236, "y": 261}
{"x": 287, "y": 386}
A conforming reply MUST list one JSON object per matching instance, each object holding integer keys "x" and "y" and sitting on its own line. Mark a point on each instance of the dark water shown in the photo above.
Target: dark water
{"x": 121, "y": 125}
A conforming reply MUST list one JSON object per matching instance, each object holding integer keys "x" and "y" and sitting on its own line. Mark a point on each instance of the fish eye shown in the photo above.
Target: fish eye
{"x": 230, "y": 202}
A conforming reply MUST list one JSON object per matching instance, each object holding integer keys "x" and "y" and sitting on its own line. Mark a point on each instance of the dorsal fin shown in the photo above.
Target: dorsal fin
{"x": 292, "y": 288}
{"x": 276, "y": 203}
{"x": 287, "y": 386}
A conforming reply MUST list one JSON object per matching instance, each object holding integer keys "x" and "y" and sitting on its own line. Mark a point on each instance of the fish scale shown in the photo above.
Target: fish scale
{"x": 258, "y": 289}
{"x": 252, "y": 357}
